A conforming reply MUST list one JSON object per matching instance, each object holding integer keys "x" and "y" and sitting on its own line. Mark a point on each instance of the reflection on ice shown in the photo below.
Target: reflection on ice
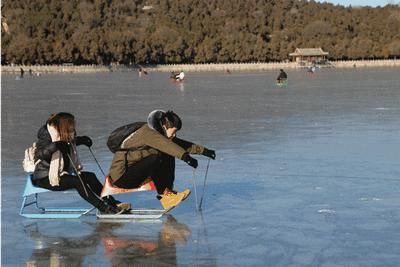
{"x": 121, "y": 249}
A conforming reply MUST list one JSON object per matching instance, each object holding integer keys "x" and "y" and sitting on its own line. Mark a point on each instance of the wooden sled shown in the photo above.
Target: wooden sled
{"x": 31, "y": 197}
{"x": 148, "y": 184}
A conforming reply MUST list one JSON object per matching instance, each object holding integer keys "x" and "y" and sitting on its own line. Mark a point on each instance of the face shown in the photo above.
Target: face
{"x": 171, "y": 132}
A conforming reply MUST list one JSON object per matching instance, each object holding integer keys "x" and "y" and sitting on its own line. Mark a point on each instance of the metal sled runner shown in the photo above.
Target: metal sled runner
{"x": 31, "y": 197}
{"x": 148, "y": 184}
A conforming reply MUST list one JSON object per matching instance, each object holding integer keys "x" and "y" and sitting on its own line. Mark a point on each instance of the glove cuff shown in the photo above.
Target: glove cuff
{"x": 185, "y": 156}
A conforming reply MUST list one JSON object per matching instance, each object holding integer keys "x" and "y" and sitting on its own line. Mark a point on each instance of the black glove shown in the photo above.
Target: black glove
{"x": 62, "y": 146}
{"x": 189, "y": 160}
{"x": 84, "y": 140}
{"x": 209, "y": 153}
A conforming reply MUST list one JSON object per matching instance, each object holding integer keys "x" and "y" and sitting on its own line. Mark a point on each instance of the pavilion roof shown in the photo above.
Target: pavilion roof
{"x": 308, "y": 52}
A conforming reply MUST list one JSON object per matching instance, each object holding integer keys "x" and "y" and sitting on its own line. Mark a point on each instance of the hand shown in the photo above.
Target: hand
{"x": 189, "y": 160}
{"x": 62, "y": 146}
{"x": 209, "y": 153}
{"x": 84, "y": 140}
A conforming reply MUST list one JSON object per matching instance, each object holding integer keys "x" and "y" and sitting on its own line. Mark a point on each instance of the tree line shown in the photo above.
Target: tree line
{"x": 191, "y": 31}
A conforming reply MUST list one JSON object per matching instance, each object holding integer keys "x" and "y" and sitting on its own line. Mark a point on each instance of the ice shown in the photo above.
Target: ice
{"x": 305, "y": 175}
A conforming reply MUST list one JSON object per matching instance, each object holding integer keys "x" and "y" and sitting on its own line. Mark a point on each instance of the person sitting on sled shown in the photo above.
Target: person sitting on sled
{"x": 58, "y": 166}
{"x": 180, "y": 76}
{"x": 282, "y": 77}
{"x": 150, "y": 152}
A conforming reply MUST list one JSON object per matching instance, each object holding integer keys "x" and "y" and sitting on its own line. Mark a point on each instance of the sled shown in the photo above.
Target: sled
{"x": 147, "y": 185}
{"x": 282, "y": 83}
{"x": 31, "y": 197}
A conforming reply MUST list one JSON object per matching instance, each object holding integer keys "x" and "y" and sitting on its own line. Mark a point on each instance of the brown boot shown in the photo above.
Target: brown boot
{"x": 170, "y": 199}
{"x": 124, "y": 206}
{"x": 186, "y": 193}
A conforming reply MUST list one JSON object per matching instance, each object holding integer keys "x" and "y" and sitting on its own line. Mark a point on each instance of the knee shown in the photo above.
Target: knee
{"x": 167, "y": 160}
{"x": 154, "y": 159}
{"x": 88, "y": 175}
{"x": 72, "y": 181}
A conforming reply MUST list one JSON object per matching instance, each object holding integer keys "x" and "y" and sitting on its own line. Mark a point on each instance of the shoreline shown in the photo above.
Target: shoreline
{"x": 68, "y": 68}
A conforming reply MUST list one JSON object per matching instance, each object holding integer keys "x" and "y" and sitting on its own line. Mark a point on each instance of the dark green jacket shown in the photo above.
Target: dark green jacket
{"x": 146, "y": 142}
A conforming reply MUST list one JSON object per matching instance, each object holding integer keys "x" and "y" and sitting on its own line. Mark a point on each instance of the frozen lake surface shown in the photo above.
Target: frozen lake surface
{"x": 306, "y": 175}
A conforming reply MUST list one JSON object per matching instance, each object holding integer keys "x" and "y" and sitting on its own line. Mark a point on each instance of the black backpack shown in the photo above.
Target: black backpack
{"x": 120, "y": 134}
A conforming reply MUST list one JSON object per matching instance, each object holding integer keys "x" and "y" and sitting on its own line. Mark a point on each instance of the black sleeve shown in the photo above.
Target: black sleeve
{"x": 182, "y": 143}
{"x": 79, "y": 140}
{"x": 44, "y": 147}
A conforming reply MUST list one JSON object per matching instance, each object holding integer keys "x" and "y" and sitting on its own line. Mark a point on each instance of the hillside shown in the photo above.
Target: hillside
{"x": 191, "y": 31}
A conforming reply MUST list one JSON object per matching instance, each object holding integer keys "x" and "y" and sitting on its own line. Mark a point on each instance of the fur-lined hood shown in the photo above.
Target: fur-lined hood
{"x": 154, "y": 120}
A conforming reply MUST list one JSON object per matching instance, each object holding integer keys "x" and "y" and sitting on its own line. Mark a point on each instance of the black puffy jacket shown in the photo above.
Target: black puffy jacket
{"x": 44, "y": 150}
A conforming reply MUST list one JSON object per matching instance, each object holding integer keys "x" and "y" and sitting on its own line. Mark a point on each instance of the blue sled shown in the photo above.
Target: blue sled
{"x": 32, "y": 191}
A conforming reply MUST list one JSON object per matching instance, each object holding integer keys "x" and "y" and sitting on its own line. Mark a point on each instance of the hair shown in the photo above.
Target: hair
{"x": 170, "y": 119}
{"x": 65, "y": 124}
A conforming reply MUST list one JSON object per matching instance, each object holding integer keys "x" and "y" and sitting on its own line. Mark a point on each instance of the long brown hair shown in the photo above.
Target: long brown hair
{"x": 65, "y": 124}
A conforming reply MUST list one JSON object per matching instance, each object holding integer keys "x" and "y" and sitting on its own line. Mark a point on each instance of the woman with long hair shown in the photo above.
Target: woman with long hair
{"x": 59, "y": 168}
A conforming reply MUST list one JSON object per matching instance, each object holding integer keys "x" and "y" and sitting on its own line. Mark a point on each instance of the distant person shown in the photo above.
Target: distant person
{"x": 59, "y": 168}
{"x": 30, "y": 72}
{"x": 282, "y": 77}
{"x": 150, "y": 151}
{"x": 180, "y": 77}
{"x": 21, "y": 73}
{"x": 311, "y": 69}
{"x": 142, "y": 71}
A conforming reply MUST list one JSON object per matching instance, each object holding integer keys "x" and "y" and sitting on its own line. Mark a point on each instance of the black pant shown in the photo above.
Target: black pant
{"x": 92, "y": 185}
{"x": 160, "y": 168}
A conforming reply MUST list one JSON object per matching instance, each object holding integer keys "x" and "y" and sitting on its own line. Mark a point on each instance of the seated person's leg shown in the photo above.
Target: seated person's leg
{"x": 160, "y": 168}
{"x": 90, "y": 179}
{"x": 73, "y": 182}
{"x": 135, "y": 174}
{"x": 164, "y": 174}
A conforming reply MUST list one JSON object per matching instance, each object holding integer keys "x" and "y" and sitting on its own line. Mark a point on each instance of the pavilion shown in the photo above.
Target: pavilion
{"x": 313, "y": 55}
